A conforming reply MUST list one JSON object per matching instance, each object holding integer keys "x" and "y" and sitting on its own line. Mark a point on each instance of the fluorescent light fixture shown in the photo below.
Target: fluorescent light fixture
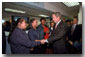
{"x": 70, "y": 4}
{"x": 14, "y": 10}
{"x": 43, "y": 15}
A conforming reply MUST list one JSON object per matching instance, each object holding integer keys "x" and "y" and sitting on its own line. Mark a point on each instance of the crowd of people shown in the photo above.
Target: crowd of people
{"x": 62, "y": 37}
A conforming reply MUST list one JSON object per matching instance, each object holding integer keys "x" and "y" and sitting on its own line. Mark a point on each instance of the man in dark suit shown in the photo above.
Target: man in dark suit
{"x": 58, "y": 35}
{"x": 19, "y": 40}
{"x": 75, "y": 35}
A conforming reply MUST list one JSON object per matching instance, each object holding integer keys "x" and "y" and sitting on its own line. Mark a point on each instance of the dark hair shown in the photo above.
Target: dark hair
{"x": 75, "y": 17}
{"x": 32, "y": 20}
{"x": 7, "y": 23}
{"x": 19, "y": 20}
{"x": 51, "y": 22}
{"x": 42, "y": 19}
{"x": 64, "y": 19}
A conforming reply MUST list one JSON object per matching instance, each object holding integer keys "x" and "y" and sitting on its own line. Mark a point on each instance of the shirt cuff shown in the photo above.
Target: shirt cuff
{"x": 46, "y": 40}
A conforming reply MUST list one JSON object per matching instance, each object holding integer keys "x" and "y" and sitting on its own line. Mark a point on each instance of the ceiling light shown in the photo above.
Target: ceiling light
{"x": 14, "y": 10}
{"x": 70, "y": 4}
{"x": 43, "y": 15}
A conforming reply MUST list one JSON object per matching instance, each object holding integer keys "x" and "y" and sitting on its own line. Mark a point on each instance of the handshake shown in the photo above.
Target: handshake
{"x": 43, "y": 41}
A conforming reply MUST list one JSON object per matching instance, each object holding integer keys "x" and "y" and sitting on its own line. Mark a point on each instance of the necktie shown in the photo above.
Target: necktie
{"x": 55, "y": 26}
{"x": 72, "y": 30}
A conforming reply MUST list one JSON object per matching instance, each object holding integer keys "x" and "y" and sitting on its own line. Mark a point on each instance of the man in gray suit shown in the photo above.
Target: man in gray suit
{"x": 58, "y": 35}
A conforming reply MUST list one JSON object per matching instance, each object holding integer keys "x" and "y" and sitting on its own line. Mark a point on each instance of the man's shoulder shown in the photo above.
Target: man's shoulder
{"x": 63, "y": 24}
{"x": 78, "y": 26}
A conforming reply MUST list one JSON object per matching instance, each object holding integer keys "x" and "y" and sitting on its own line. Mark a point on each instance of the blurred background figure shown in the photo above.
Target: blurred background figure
{"x": 3, "y": 41}
{"x": 71, "y": 22}
{"x": 41, "y": 28}
{"x": 51, "y": 26}
{"x": 75, "y": 35}
{"x": 64, "y": 20}
{"x": 12, "y": 24}
{"x": 7, "y": 26}
{"x": 43, "y": 33}
{"x": 68, "y": 22}
{"x": 10, "y": 21}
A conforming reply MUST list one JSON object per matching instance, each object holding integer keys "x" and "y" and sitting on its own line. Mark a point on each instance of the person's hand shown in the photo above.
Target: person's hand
{"x": 37, "y": 40}
{"x": 71, "y": 42}
{"x": 31, "y": 49}
{"x": 42, "y": 41}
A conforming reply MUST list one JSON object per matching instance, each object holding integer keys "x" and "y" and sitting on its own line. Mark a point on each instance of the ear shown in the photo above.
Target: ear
{"x": 58, "y": 17}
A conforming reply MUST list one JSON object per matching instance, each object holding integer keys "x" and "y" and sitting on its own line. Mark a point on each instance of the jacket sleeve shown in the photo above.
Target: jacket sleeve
{"x": 20, "y": 40}
{"x": 30, "y": 34}
{"x": 57, "y": 36}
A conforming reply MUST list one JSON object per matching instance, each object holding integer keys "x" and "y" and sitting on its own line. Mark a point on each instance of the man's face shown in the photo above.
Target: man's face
{"x": 10, "y": 20}
{"x": 55, "y": 19}
{"x": 35, "y": 23}
{"x": 43, "y": 22}
{"x": 68, "y": 23}
{"x": 23, "y": 25}
{"x": 75, "y": 21}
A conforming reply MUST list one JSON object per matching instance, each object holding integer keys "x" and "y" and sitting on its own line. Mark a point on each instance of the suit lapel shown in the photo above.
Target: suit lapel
{"x": 58, "y": 27}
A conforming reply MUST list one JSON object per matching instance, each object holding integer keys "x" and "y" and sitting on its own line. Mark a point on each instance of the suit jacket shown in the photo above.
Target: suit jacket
{"x": 58, "y": 38}
{"x": 41, "y": 32}
{"x": 76, "y": 35}
{"x": 33, "y": 34}
{"x": 20, "y": 42}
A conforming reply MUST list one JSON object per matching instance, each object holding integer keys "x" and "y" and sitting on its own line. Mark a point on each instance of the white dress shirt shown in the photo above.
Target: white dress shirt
{"x": 57, "y": 25}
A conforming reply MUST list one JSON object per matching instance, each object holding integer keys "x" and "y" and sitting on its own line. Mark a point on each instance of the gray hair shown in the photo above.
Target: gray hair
{"x": 58, "y": 14}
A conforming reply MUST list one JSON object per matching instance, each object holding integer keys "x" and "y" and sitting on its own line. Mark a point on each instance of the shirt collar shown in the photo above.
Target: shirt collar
{"x": 58, "y": 22}
{"x": 74, "y": 24}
